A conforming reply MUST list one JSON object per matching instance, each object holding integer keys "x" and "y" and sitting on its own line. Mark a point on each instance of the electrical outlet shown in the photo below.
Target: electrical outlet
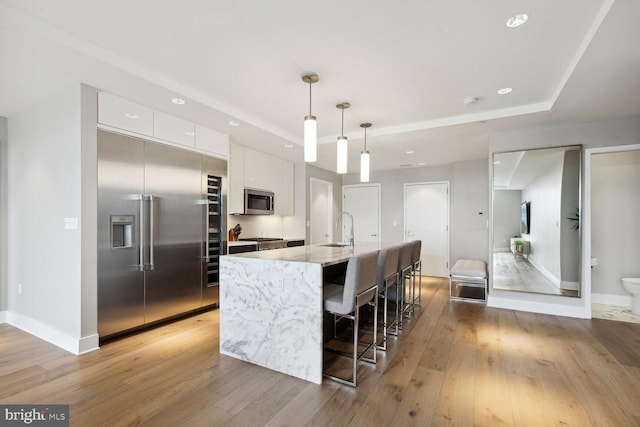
{"x": 19, "y": 288}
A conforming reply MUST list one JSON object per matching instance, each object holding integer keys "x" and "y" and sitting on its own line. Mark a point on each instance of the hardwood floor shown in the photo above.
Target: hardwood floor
{"x": 456, "y": 363}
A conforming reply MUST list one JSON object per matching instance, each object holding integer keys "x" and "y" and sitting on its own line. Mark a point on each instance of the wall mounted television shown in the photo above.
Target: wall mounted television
{"x": 525, "y": 215}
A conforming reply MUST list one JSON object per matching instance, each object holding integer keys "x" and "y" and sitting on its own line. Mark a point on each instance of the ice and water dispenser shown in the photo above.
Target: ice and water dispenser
{"x": 121, "y": 231}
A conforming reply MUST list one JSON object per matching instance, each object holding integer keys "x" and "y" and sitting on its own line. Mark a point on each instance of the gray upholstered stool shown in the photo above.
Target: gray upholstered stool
{"x": 404, "y": 274}
{"x": 416, "y": 271}
{"x": 345, "y": 301}
{"x": 386, "y": 278}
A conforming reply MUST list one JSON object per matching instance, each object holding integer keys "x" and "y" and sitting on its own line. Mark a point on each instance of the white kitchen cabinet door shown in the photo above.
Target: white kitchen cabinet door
{"x": 125, "y": 115}
{"x": 235, "y": 198}
{"x": 284, "y": 191}
{"x": 212, "y": 141}
{"x": 173, "y": 129}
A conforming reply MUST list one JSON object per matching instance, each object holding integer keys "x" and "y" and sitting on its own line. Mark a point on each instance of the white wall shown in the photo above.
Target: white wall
{"x": 469, "y": 198}
{"x": 615, "y": 236}
{"x": 506, "y": 215}
{"x": 4, "y": 164}
{"x": 45, "y": 187}
{"x": 603, "y": 133}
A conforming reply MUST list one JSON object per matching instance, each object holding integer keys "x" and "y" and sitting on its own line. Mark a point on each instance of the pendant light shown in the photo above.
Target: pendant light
{"x": 364, "y": 156}
{"x": 343, "y": 143}
{"x": 310, "y": 125}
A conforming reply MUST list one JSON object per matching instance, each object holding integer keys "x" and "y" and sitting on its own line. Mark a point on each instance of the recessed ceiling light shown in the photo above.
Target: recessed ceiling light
{"x": 505, "y": 90}
{"x": 131, "y": 116}
{"x": 422, "y": 163}
{"x": 517, "y": 20}
{"x": 189, "y": 133}
{"x": 288, "y": 145}
{"x": 178, "y": 101}
{"x": 409, "y": 151}
{"x": 234, "y": 123}
{"x": 497, "y": 162}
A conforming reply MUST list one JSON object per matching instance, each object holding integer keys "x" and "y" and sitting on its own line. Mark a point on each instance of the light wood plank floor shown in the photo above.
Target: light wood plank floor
{"x": 456, "y": 363}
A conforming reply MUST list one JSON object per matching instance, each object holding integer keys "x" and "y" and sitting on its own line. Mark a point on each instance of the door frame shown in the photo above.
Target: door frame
{"x": 404, "y": 216}
{"x": 378, "y": 186}
{"x": 329, "y": 186}
{"x": 585, "y": 276}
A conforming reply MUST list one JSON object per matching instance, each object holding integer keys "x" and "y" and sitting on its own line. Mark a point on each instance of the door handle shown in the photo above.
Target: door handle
{"x": 373, "y": 235}
{"x": 151, "y": 199}
{"x": 207, "y": 252}
{"x": 140, "y": 265}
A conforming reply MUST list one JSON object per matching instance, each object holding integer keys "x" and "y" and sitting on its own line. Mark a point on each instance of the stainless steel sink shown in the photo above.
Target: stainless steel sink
{"x": 336, "y": 245}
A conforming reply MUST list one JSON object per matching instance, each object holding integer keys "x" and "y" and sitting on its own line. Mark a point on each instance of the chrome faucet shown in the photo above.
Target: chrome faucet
{"x": 338, "y": 224}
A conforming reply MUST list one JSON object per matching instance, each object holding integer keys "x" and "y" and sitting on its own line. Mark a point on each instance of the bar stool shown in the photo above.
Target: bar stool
{"x": 386, "y": 277}
{"x": 416, "y": 269}
{"x": 404, "y": 273}
{"x": 345, "y": 301}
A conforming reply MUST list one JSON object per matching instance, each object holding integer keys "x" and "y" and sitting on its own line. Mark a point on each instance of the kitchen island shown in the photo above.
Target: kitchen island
{"x": 271, "y": 306}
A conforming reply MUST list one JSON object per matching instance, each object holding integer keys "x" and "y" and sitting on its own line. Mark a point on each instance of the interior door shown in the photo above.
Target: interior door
{"x": 173, "y": 282}
{"x": 321, "y": 211}
{"x": 363, "y": 203}
{"x": 426, "y": 218}
{"x": 120, "y": 274}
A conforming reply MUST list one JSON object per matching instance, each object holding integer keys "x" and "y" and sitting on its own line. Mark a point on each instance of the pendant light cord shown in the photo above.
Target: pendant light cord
{"x": 309, "y": 98}
{"x": 365, "y": 139}
{"x": 342, "y": 130}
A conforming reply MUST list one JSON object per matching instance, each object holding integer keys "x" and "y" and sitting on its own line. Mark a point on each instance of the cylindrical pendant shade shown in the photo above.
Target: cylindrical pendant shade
{"x": 342, "y": 154}
{"x": 364, "y": 166}
{"x": 310, "y": 139}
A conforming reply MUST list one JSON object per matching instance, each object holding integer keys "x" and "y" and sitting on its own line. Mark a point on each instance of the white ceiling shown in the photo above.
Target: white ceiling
{"x": 404, "y": 66}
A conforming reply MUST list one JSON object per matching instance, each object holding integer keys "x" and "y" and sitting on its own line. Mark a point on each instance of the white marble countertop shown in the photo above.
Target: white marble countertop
{"x": 316, "y": 254}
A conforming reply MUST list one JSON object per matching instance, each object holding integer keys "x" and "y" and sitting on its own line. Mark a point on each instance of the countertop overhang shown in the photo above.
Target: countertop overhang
{"x": 316, "y": 254}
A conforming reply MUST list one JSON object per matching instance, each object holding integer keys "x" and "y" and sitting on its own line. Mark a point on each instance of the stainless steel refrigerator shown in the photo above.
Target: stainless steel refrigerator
{"x": 161, "y": 225}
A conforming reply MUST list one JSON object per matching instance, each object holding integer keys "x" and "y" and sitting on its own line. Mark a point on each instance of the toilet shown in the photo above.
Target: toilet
{"x": 632, "y": 285}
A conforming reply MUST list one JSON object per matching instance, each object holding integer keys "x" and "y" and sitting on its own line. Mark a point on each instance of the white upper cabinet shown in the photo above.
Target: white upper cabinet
{"x": 212, "y": 141}
{"x": 119, "y": 113}
{"x": 123, "y": 114}
{"x": 170, "y": 128}
{"x": 235, "y": 198}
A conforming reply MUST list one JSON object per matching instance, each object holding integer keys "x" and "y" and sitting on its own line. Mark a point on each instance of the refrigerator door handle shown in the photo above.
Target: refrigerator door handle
{"x": 140, "y": 266}
{"x": 207, "y": 253}
{"x": 151, "y": 231}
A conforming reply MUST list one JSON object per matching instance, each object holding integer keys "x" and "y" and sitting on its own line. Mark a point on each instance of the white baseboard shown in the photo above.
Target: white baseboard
{"x": 546, "y": 273}
{"x": 539, "y": 307}
{"x": 574, "y": 286}
{"x": 610, "y": 299}
{"x": 52, "y": 335}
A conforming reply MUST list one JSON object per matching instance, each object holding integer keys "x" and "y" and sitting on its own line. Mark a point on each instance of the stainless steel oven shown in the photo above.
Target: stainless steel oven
{"x": 258, "y": 202}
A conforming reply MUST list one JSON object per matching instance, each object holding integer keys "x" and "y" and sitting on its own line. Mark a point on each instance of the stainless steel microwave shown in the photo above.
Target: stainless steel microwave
{"x": 258, "y": 202}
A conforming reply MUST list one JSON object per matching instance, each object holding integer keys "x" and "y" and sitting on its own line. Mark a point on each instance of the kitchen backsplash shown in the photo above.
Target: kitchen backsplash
{"x": 265, "y": 226}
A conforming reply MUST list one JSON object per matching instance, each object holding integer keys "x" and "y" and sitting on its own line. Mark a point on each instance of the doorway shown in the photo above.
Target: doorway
{"x": 426, "y": 218}
{"x": 320, "y": 212}
{"x": 363, "y": 203}
{"x": 613, "y": 240}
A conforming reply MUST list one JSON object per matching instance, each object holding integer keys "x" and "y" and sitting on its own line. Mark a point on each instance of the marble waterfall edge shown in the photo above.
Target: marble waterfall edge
{"x": 271, "y": 314}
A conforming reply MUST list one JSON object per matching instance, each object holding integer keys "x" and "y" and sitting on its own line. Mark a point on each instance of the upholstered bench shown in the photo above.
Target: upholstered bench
{"x": 468, "y": 280}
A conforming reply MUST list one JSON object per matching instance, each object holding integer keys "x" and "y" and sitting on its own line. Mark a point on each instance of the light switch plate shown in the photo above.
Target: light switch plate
{"x": 71, "y": 223}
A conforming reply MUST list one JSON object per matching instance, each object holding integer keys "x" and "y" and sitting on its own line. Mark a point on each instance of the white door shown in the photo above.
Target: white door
{"x": 363, "y": 203}
{"x": 426, "y": 218}
{"x": 321, "y": 211}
